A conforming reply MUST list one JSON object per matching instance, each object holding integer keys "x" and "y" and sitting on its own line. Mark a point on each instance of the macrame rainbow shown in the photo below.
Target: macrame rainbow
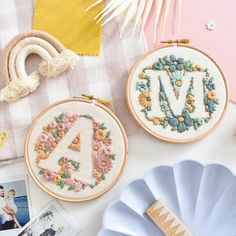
{"x": 56, "y": 60}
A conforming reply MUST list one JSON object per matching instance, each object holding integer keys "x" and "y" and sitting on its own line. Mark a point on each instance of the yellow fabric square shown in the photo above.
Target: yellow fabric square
{"x": 68, "y": 22}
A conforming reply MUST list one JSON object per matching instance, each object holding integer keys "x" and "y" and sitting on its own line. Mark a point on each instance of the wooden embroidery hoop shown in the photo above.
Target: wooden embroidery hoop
{"x": 169, "y": 44}
{"x": 46, "y": 190}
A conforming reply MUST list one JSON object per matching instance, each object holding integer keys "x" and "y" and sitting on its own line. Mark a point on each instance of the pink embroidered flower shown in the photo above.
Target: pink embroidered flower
{"x": 51, "y": 139}
{"x": 75, "y": 117}
{"x": 52, "y": 124}
{"x": 108, "y": 150}
{"x": 60, "y": 126}
{"x": 68, "y": 115}
{"x": 48, "y": 175}
{"x": 70, "y": 181}
{"x": 43, "y": 138}
{"x": 65, "y": 120}
{"x": 107, "y": 141}
{"x": 68, "y": 125}
{"x": 47, "y": 144}
{"x": 102, "y": 164}
{"x": 68, "y": 165}
{"x": 78, "y": 187}
{"x": 65, "y": 159}
{"x": 75, "y": 141}
{"x": 94, "y": 154}
{"x": 96, "y": 125}
{"x": 70, "y": 171}
{"x": 96, "y": 146}
{"x": 58, "y": 139}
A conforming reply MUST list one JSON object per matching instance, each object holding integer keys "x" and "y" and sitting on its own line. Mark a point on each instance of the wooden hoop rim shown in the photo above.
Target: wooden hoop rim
{"x": 160, "y": 137}
{"x": 52, "y": 194}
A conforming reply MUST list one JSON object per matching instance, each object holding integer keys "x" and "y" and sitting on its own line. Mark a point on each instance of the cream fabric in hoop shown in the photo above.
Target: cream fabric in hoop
{"x": 56, "y": 60}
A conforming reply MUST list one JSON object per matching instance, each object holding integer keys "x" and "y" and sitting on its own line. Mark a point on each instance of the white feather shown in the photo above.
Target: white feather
{"x": 120, "y": 9}
{"x": 159, "y": 4}
{"x": 146, "y": 12}
{"x": 140, "y": 9}
{"x": 167, "y": 6}
{"x": 93, "y": 5}
{"x": 129, "y": 15}
{"x": 108, "y": 8}
{"x": 178, "y": 14}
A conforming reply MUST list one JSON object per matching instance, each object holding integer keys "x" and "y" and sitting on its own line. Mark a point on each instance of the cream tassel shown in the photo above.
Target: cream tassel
{"x": 18, "y": 88}
{"x": 55, "y": 66}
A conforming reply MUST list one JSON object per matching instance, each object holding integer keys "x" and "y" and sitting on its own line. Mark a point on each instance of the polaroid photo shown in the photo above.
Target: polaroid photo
{"x": 51, "y": 221}
{"x": 15, "y": 206}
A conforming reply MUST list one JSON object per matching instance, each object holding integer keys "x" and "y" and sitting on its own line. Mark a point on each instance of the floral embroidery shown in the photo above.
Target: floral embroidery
{"x": 75, "y": 145}
{"x": 176, "y": 69}
{"x": 102, "y": 152}
{"x": 145, "y": 99}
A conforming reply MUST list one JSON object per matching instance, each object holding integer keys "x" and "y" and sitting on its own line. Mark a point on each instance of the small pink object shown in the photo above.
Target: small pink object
{"x": 78, "y": 187}
{"x": 75, "y": 141}
{"x": 53, "y": 124}
{"x": 60, "y": 126}
{"x": 48, "y": 175}
{"x": 211, "y": 25}
{"x": 70, "y": 181}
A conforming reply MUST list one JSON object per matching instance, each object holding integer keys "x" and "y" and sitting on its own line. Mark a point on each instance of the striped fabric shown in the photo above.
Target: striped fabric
{"x": 104, "y": 76}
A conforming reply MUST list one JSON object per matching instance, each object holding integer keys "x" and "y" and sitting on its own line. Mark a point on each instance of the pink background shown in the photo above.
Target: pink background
{"x": 219, "y": 43}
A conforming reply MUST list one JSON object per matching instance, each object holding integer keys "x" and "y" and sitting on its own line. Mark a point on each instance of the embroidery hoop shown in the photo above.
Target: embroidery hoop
{"x": 169, "y": 44}
{"x": 114, "y": 181}
{"x": 56, "y": 60}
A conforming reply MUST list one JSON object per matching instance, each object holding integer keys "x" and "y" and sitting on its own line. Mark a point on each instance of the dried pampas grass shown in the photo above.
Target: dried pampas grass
{"x": 139, "y": 11}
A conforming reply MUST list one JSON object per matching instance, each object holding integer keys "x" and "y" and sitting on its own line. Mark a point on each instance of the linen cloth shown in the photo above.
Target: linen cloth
{"x": 104, "y": 76}
{"x": 69, "y": 23}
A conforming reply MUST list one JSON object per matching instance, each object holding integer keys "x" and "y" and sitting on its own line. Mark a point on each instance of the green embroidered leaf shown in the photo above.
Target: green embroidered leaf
{"x": 88, "y": 117}
{"x": 41, "y": 172}
{"x": 103, "y": 177}
{"x": 62, "y": 184}
{"x": 71, "y": 187}
{"x": 65, "y": 175}
{"x": 108, "y": 133}
{"x": 54, "y": 134}
{"x": 112, "y": 156}
{"x": 57, "y": 119}
{"x": 174, "y": 128}
{"x": 102, "y": 126}
{"x": 195, "y": 125}
{"x": 165, "y": 123}
{"x": 61, "y": 116}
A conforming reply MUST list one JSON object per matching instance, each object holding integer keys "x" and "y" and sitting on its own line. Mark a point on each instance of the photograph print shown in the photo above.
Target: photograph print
{"x": 52, "y": 221}
{"x": 14, "y": 204}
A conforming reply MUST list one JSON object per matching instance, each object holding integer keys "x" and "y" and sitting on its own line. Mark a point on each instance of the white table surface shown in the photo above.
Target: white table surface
{"x": 145, "y": 153}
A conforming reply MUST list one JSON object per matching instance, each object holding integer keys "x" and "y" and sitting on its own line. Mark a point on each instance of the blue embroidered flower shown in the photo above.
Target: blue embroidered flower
{"x": 172, "y": 69}
{"x": 180, "y": 61}
{"x": 180, "y": 67}
{"x": 157, "y": 66}
{"x": 141, "y": 86}
{"x": 168, "y": 62}
{"x": 181, "y": 123}
{"x": 173, "y": 58}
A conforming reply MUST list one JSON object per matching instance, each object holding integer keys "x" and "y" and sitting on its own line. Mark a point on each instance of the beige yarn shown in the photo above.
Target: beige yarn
{"x": 22, "y": 84}
{"x": 19, "y": 88}
{"x": 67, "y": 59}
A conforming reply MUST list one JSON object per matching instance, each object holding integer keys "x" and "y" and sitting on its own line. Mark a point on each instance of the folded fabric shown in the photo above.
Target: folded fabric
{"x": 69, "y": 23}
